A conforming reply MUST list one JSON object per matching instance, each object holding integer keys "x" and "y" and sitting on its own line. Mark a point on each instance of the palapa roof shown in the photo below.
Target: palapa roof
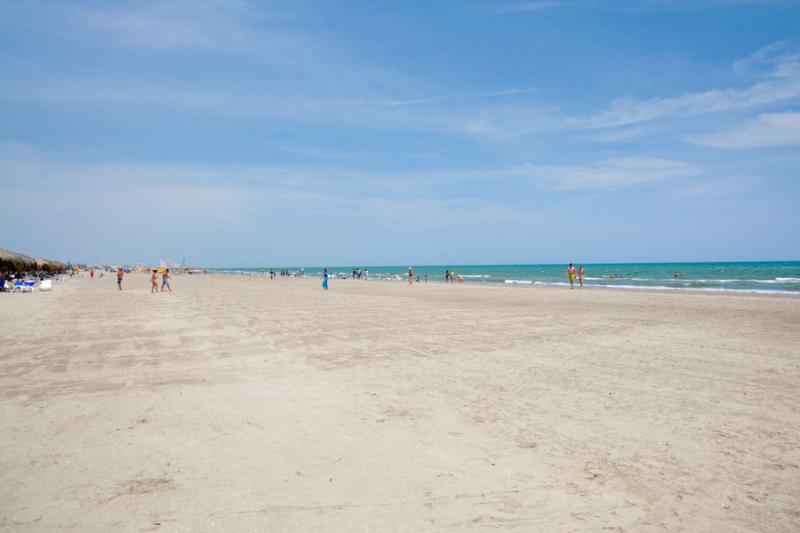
{"x": 15, "y": 261}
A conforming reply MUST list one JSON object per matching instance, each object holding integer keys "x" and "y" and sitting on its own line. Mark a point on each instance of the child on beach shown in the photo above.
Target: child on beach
{"x": 165, "y": 281}
{"x": 571, "y": 276}
{"x": 120, "y": 274}
{"x": 154, "y": 281}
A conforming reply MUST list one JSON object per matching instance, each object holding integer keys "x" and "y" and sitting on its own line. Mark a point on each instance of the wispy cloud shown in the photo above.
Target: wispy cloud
{"x": 768, "y": 129}
{"x": 541, "y": 5}
{"x": 608, "y": 174}
{"x": 782, "y": 84}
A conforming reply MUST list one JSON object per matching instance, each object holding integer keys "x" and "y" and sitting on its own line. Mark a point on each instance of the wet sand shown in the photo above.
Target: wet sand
{"x": 244, "y": 404}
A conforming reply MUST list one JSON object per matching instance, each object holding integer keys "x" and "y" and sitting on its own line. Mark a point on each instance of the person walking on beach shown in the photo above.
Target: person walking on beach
{"x": 325, "y": 279}
{"x": 571, "y": 276}
{"x": 165, "y": 281}
{"x": 581, "y": 274}
{"x": 410, "y": 275}
{"x": 154, "y": 281}
{"x": 120, "y": 274}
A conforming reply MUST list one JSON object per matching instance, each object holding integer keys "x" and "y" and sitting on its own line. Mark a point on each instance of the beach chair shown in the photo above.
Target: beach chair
{"x": 24, "y": 286}
{"x": 46, "y": 285}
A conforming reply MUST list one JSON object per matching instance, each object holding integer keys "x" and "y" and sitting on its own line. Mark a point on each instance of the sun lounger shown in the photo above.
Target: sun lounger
{"x": 24, "y": 286}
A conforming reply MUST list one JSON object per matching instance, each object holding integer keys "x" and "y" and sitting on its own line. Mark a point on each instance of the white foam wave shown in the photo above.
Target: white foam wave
{"x": 665, "y": 288}
{"x": 518, "y": 282}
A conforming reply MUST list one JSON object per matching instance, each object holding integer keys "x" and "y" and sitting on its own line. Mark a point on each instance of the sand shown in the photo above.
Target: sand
{"x": 244, "y": 404}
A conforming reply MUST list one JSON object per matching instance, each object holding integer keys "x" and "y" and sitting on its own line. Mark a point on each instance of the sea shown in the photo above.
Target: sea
{"x": 774, "y": 277}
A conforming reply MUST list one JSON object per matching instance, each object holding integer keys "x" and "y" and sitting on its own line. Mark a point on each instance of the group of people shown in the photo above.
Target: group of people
{"x": 165, "y": 277}
{"x": 451, "y": 277}
{"x": 286, "y": 273}
{"x": 572, "y": 273}
{"x": 358, "y": 273}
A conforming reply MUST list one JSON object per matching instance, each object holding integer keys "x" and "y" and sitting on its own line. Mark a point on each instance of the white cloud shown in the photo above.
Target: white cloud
{"x": 782, "y": 84}
{"x": 768, "y": 129}
{"x": 608, "y": 174}
{"x": 533, "y": 6}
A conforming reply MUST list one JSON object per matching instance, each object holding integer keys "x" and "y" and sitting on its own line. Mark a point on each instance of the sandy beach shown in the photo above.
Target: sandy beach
{"x": 246, "y": 404}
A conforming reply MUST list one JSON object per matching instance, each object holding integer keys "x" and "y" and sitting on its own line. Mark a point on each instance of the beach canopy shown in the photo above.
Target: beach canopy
{"x": 21, "y": 262}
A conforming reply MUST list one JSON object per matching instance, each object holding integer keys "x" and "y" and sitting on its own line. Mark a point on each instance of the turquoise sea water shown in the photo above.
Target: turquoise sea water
{"x": 760, "y": 277}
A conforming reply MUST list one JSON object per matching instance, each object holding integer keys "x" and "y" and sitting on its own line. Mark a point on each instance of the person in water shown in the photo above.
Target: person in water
{"x": 571, "y": 276}
{"x": 581, "y": 274}
{"x": 120, "y": 274}
{"x": 154, "y": 281}
{"x": 325, "y": 279}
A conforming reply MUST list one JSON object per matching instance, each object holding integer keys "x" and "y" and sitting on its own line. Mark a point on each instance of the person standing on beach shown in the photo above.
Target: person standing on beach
{"x": 325, "y": 279}
{"x": 120, "y": 274}
{"x": 581, "y": 274}
{"x": 410, "y": 275}
{"x": 165, "y": 281}
{"x": 154, "y": 281}
{"x": 571, "y": 276}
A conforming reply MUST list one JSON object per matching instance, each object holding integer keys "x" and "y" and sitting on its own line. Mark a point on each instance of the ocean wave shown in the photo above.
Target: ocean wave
{"x": 788, "y": 280}
{"x": 518, "y": 282}
{"x": 665, "y": 288}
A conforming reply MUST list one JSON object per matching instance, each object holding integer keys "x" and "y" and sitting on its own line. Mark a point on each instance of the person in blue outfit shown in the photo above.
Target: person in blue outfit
{"x": 325, "y": 279}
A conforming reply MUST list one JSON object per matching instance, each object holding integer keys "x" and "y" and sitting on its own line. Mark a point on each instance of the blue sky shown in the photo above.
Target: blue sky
{"x": 335, "y": 133}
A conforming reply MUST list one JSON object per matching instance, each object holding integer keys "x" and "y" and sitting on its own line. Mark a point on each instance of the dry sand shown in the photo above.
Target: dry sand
{"x": 242, "y": 404}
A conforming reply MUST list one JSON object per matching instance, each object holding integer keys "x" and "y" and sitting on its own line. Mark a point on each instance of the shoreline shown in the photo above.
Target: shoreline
{"x": 532, "y": 285}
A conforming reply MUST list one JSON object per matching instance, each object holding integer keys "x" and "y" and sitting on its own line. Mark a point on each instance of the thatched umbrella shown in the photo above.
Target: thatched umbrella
{"x": 20, "y": 262}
